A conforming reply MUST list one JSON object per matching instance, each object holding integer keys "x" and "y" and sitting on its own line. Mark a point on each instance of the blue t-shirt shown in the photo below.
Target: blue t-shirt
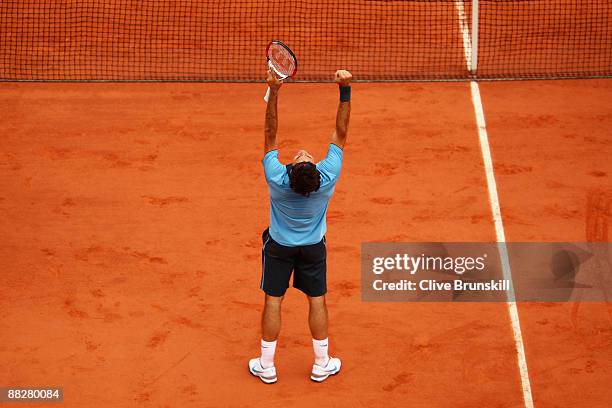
{"x": 297, "y": 220}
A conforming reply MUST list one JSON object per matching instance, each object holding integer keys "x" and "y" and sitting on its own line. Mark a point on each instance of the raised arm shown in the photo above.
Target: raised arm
{"x": 343, "y": 78}
{"x": 271, "y": 115}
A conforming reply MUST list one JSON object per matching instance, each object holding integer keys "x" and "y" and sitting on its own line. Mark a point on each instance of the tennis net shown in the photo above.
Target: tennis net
{"x": 379, "y": 40}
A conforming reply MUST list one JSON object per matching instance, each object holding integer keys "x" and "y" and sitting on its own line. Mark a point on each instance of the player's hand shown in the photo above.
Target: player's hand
{"x": 343, "y": 77}
{"x": 273, "y": 82}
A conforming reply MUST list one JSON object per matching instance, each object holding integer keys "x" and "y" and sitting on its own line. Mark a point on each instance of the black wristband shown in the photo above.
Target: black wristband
{"x": 345, "y": 93}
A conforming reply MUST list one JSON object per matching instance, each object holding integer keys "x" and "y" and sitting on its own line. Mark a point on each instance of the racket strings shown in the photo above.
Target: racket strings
{"x": 281, "y": 61}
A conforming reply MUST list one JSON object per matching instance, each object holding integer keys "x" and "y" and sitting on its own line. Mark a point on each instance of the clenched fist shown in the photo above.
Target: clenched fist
{"x": 343, "y": 77}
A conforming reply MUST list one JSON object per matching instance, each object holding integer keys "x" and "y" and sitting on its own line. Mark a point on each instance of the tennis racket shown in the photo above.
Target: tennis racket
{"x": 282, "y": 62}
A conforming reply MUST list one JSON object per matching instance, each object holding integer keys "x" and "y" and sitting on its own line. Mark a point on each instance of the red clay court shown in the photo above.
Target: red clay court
{"x": 132, "y": 212}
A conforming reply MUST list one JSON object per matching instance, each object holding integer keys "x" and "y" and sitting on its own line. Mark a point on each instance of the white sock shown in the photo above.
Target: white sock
{"x": 268, "y": 348}
{"x": 320, "y": 350}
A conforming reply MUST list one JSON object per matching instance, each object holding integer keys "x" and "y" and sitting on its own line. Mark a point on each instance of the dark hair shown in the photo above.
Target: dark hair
{"x": 304, "y": 178}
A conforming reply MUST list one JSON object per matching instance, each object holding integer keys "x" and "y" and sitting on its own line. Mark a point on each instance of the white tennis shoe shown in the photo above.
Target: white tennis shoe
{"x": 267, "y": 375}
{"x": 320, "y": 374}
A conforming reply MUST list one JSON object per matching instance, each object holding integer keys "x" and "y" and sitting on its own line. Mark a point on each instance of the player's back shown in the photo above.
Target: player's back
{"x": 295, "y": 219}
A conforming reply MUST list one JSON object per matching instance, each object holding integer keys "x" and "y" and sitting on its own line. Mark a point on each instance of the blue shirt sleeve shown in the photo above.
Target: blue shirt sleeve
{"x": 331, "y": 165}
{"x": 273, "y": 168}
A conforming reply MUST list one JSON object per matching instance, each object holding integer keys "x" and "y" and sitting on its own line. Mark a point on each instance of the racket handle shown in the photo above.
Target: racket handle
{"x": 267, "y": 95}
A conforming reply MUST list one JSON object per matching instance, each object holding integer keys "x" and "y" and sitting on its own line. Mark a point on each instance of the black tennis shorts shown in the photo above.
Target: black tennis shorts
{"x": 308, "y": 264}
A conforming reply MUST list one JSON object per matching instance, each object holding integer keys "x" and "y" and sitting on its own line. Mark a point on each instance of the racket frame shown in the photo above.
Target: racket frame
{"x": 286, "y": 47}
{"x": 279, "y": 75}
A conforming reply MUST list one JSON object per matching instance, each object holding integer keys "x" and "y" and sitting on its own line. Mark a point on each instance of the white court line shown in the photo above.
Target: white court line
{"x": 464, "y": 28}
{"x": 495, "y": 209}
{"x": 501, "y": 239}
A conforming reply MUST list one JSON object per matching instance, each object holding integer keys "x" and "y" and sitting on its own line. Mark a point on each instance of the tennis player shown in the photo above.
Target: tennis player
{"x": 295, "y": 241}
